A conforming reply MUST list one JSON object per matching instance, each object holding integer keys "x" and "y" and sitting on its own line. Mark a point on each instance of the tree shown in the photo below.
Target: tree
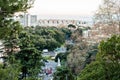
{"x": 76, "y": 59}
{"x": 10, "y": 39}
{"x": 9, "y": 73}
{"x": 10, "y": 29}
{"x": 58, "y": 75}
{"x": 62, "y": 57}
{"x": 78, "y": 53}
{"x": 8, "y": 8}
{"x": 67, "y": 32}
{"x": 9, "y": 33}
{"x": 93, "y": 71}
{"x": 71, "y": 26}
{"x": 30, "y": 58}
{"x": 109, "y": 52}
{"x": 77, "y": 35}
{"x": 92, "y": 51}
{"x": 59, "y": 36}
{"x": 47, "y": 38}
{"x": 108, "y": 17}
{"x": 107, "y": 64}
{"x": 52, "y": 44}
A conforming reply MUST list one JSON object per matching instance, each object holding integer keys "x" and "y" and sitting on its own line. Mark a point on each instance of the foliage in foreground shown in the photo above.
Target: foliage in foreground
{"x": 94, "y": 71}
{"x": 63, "y": 73}
{"x": 107, "y": 64}
{"x": 9, "y": 73}
{"x": 30, "y": 58}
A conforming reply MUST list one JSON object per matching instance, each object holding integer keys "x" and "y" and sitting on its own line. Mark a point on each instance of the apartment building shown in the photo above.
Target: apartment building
{"x": 58, "y": 22}
{"x": 27, "y": 19}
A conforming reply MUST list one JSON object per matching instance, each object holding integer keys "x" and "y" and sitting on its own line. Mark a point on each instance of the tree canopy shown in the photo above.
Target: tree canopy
{"x": 108, "y": 16}
{"x": 47, "y": 38}
{"x": 107, "y": 64}
{"x": 63, "y": 73}
{"x": 8, "y": 8}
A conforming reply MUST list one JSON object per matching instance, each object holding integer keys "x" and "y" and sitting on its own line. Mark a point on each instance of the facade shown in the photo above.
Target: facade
{"x": 58, "y": 22}
{"x": 32, "y": 20}
{"x": 86, "y": 33}
{"x": 27, "y": 20}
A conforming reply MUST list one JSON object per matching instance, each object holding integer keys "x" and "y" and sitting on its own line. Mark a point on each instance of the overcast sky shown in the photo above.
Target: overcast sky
{"x": 65, "y": 7}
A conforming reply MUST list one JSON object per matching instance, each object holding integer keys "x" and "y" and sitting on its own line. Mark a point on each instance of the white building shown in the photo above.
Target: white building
{"x": 85, "y": 33}
{"x": 27, "y": 19}
{"x": 58, "y": 22}
{"x": 33, "y": 20}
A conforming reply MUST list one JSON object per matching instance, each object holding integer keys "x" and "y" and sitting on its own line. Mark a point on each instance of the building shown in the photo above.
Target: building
{"x": 60, "y": 22}
{"x": 32, "y": 20}
{"x": 27, "y": 19}
{"x": 86, "y": 33}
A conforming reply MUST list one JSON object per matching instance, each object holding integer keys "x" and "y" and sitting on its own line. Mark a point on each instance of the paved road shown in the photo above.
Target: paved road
{"x": 48, "y": 65}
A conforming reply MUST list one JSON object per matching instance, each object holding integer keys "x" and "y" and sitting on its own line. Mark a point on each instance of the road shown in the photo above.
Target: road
{"x": 48, "y": 65}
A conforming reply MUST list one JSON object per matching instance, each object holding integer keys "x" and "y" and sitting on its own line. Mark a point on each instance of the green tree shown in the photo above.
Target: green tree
{"x": 93, "y": 71}
{"x": 63, "y": 73}
{"x": 92, "y": 51}
{"x": 9, "y": 29}
{"x": 52, "y": 44}
{"x": 47, "y": 38}
{"x": 67, "y": 32}
{"x": 71, "y": 26}
{"x": 107, "y": 64}
{"x": 9, "y": 8}
{"x": 11, "y": 46}
{"x": 9, "y": 32}
{"x": 10, "y": 72}
{"x": 62, "y": 57}
{"x": 29, "y": 57}
{"x": 109, "y": 52}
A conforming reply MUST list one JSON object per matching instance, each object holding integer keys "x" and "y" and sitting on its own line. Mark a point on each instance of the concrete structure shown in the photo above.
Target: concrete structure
{"x": 27, "y": 19}
{"x": 59, "y": 64}
{"x": 32, "y": 20}
{"x": 86, "y": 33}
{"x": 58, "y": 22}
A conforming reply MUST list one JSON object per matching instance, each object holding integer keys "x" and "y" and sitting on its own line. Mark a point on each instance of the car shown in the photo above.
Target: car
{"x": 45, "y": 51}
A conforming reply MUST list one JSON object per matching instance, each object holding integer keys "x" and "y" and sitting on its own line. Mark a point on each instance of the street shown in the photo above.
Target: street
{"x": 49, "y": 65}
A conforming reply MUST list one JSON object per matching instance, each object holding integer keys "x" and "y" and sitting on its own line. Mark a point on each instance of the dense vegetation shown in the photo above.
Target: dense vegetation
{"x": 106, "y": 66}
{"x": 47, "y": 38}
{"x": 22, "y": 57}
{"x": 63, "y": 73}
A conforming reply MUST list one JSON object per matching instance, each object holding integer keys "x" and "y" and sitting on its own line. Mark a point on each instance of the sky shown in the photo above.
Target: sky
{"x": 64, "y": 7}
